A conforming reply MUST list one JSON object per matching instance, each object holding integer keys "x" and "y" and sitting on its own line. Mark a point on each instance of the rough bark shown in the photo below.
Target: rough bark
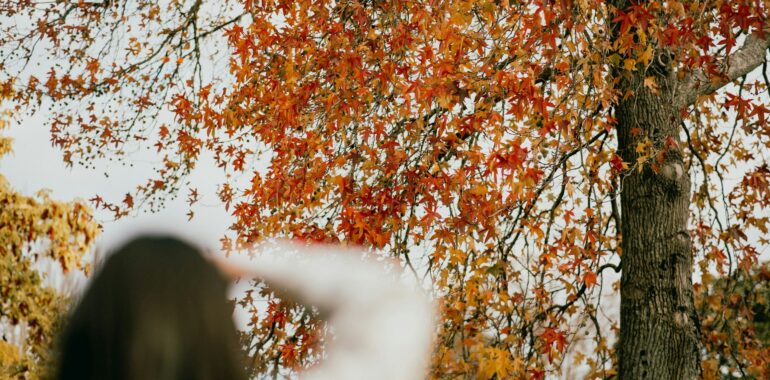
{"x": 659, "y": 328}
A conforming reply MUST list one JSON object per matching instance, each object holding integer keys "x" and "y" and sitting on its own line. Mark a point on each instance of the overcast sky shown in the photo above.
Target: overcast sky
{"x": 36, "y": 165}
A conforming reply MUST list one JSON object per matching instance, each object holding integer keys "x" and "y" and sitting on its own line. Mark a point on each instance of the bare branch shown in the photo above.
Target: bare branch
{"x": 750, "y": 56}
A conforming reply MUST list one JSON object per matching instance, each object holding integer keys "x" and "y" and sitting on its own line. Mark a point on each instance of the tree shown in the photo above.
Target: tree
{"x": 515, "y": 154}
{"x": 35, "y": 229}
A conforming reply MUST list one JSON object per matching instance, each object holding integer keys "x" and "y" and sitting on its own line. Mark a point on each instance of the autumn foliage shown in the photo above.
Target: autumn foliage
{"x": 35, "y": 230}
{"x": 474, "y": 141}
{"x": 724, "y": 310}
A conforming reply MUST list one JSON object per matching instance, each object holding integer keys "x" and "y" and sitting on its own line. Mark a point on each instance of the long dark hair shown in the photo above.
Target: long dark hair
{"x": 156, "y": 310}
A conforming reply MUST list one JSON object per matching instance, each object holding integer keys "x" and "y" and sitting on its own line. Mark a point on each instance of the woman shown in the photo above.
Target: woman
{"x": 156, "y": 310}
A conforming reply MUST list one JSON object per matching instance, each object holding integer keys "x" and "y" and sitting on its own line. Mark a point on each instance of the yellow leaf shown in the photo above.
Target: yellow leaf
{"x": 650, "y": 83}
{"x": 629, "y": 64}
{"x": 493, "y": 362}
{"x": 646, "y": 57}
{"x": 710, "y": 369}
{"x": 9, "y": 354}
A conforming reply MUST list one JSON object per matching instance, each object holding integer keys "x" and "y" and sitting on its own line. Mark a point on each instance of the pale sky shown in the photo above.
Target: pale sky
{"x": 36, "y": 165}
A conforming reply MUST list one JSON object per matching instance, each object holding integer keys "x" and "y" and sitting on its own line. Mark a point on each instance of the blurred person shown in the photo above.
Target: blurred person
{"x": 158, "y": 310}
{"x": 155, "y": 310}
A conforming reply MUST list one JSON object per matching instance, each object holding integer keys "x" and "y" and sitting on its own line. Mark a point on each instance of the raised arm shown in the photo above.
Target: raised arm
{"x": 382, "y": 326}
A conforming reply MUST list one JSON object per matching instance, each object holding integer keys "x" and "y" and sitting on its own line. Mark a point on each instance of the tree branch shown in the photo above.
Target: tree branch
{"x": 750, "y": 56}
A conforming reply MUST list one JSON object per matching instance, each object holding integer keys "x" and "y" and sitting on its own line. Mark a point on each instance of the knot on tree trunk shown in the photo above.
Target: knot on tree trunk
{"x": 673, "y": 178}
{"x": 672, "y": 171}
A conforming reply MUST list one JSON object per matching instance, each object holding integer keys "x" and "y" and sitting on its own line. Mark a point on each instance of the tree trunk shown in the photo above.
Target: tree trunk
{"x": 659, "y": 334}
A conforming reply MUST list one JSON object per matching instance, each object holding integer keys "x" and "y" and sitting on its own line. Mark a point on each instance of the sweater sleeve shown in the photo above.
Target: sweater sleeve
{"x": 382, "y": 326}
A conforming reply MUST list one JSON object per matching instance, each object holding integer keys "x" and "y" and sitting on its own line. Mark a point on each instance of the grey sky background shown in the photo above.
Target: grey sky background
{"x": 35, "y": 165}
